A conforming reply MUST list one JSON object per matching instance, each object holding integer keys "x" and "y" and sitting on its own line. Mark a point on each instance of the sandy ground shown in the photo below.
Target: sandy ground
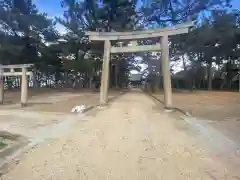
{"x": 45, "y": 109}
{"x": 131, "y": 139}
{"x": 211, "y": 105}
{"x": 220, "y": 109}
{"x": 54, "y": 100}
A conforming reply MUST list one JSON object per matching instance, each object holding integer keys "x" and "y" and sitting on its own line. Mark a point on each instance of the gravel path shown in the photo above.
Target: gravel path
{"x": 130, "y": 140}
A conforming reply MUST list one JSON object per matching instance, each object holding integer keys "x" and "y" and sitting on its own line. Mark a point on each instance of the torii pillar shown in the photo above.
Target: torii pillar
{"x": 24, "y": 87}
{"x": 166, "y": 72}
{"x": 105, "y": 73}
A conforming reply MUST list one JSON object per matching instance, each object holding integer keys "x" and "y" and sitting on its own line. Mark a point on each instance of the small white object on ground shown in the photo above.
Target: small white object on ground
{"x": 79, "y": 109}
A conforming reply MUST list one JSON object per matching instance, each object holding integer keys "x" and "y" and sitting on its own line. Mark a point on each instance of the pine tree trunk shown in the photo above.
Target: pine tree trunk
{"x": 186, "y": 81}
{"x": 238, "y": 82}
{"x": 210, "y": 76}
{"x": 116, "y": 76}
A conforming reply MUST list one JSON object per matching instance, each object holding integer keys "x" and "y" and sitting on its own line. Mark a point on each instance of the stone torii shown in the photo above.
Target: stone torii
{"x": 163, "y": 33}
{"x": 9, "y": 70}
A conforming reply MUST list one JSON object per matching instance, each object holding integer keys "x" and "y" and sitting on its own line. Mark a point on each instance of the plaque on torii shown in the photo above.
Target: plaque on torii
{"x": 10, "y": 70}
{"x": 162, "y": 33}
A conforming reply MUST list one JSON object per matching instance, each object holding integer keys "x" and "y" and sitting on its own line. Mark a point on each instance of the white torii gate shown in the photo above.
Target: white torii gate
{"x": 11, "y": 72}
{"x": 107, "y": 37}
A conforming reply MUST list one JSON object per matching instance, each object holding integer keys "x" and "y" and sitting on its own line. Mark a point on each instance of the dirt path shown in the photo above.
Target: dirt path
{"x": 127, "y": 141}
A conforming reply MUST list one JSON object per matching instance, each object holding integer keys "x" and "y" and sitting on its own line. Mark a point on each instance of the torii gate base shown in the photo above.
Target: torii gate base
{"x": 163, "y": 46}
{"x": 24, "y": 85}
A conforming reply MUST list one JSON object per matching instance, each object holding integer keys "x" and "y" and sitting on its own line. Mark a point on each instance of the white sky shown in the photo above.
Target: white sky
{"x": 61, "y": 29}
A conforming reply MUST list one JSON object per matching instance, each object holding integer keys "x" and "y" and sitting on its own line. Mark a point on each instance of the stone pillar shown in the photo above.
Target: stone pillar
{"x": 24, "y": 87}
{"x": 1, "y": 86}
{"x": 105, "y": 73}
{"x": 166, "y": 72}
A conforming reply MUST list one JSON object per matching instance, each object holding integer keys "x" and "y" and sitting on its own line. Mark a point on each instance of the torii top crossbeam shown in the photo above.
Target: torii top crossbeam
{"x": 16, "y": 66}
{"x": 178, "y": 29}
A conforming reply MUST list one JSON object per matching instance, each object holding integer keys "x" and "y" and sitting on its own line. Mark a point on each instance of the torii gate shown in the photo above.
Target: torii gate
{"x": 163, "y": 46}
{"x": 11, "y": 72}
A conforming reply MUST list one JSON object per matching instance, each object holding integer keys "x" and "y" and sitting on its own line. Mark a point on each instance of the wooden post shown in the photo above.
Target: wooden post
{"x": 166, "y": 73}
{"x": 24, "y": 87}
{"x": 105, "y": 73}
{"x": 1, "y": 86}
